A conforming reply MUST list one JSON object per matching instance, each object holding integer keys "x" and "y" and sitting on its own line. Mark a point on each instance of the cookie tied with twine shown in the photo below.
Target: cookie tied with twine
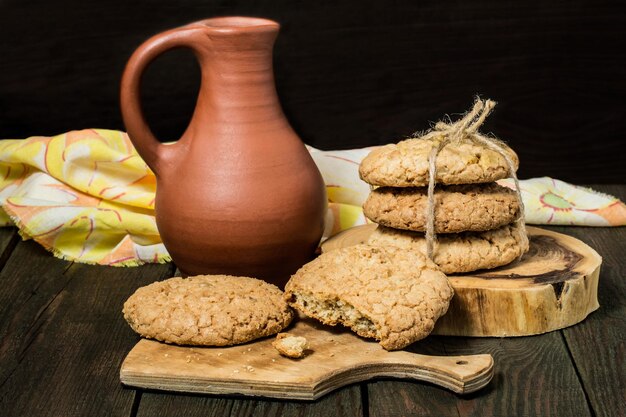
{"x": 466, "y": 161}
{"x": 450, "y": 153}
{"x": 464, "y": 130}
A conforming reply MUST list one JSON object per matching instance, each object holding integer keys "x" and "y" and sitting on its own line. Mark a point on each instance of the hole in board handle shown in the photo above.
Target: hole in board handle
{"x": 461, "y": 362}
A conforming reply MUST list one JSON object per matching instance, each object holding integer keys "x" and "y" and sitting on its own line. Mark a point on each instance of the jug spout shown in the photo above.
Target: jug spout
{"x": 239, "y": 24}
{"x": 237, "y": 86}
{"x": 239, "y": 34}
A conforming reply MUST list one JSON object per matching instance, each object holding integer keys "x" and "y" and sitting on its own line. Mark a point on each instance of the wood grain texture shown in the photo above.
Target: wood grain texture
{"x": 337, "y": 358}
{"x": 598, "y": 344}
{"x": 404, "y": 398}
{"x": 26, "y": 298}
{"x": 553, "y": 286}
{"x": 534, "y": 377}
{"x": 8, "y": 240}
{"x": 349, "y": 74}
{"x": 344, "y": 402}
{"x": 63, "y": 334}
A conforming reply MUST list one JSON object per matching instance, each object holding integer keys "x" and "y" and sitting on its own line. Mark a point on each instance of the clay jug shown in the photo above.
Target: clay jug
{"x": 238, "y": 193}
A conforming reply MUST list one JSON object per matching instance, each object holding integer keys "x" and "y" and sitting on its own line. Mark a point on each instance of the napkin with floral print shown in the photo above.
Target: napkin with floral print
{"x": 87, "y": 196}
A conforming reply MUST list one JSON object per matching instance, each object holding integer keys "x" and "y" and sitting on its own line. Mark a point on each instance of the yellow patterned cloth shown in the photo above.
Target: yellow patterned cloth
{"x": 87, "y": 196}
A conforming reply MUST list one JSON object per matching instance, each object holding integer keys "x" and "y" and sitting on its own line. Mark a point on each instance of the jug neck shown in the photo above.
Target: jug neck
{"x": 237, "y": 86}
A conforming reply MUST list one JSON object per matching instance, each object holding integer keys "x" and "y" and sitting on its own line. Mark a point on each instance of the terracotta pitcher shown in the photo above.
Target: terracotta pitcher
{"x": 238, "y": 193}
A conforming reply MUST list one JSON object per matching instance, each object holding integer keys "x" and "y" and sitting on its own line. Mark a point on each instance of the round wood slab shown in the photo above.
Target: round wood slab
{"x": 553, "y": 286}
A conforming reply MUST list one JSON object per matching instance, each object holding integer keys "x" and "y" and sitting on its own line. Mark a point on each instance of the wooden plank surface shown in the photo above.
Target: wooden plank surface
{"x": 63, "y": 335}
{"x": 534, "y": 377}
{"x": 598, "y": 344}
{"x": 344, "y": 402}
{"x": 28, "y": 296}
{"x": 8, "y": 241}
{"x": 404, "y": 398}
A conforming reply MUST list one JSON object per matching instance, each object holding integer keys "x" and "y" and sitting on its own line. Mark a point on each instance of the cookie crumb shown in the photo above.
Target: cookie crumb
{"x": 290, "y": 346}
{"x": 219, "y": 354}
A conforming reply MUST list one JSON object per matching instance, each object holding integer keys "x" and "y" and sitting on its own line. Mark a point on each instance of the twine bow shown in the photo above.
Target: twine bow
{"x": 465, "y": 129}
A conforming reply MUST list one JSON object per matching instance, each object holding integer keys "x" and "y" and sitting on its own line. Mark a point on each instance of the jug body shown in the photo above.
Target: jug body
{"x": 238, "y": 193}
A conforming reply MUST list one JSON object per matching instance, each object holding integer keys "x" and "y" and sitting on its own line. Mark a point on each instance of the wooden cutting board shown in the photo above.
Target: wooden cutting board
{"x": 554, "y": 285}
{"x": 337, "y": 358}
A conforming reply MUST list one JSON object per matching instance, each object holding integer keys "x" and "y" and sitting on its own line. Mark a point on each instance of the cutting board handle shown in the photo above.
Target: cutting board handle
{"x": 460, "y": 374}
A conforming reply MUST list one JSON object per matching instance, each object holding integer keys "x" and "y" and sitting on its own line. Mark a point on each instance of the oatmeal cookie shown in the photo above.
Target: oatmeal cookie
{"x": 461, "y": 252}
{"x": 208, "y": 310}
{"x": 405, "y": 164}
{"x": 389, "y": 294}
{"x": 458, "y": 208}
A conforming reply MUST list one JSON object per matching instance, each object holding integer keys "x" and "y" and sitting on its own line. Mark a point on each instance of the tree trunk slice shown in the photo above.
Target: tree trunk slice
{"x": 555, "y": 285}
{"x": 337, "y": 358}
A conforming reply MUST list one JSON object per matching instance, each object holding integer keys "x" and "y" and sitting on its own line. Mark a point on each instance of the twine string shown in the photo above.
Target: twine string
{"x": 455, "y": 132}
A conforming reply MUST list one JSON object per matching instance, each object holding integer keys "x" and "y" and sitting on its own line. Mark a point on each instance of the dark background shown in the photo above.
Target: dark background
{"x": 349, "y": 74}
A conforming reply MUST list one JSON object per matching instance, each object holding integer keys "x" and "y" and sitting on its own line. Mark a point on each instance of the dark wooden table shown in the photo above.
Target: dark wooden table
{"x": 63, "y": 339}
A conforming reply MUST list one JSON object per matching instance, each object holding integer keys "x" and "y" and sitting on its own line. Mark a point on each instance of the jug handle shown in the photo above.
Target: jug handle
{"x": 157, "y": 155}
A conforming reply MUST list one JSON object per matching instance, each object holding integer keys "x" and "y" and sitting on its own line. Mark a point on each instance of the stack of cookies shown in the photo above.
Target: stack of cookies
{"x": 475, "y": 219}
